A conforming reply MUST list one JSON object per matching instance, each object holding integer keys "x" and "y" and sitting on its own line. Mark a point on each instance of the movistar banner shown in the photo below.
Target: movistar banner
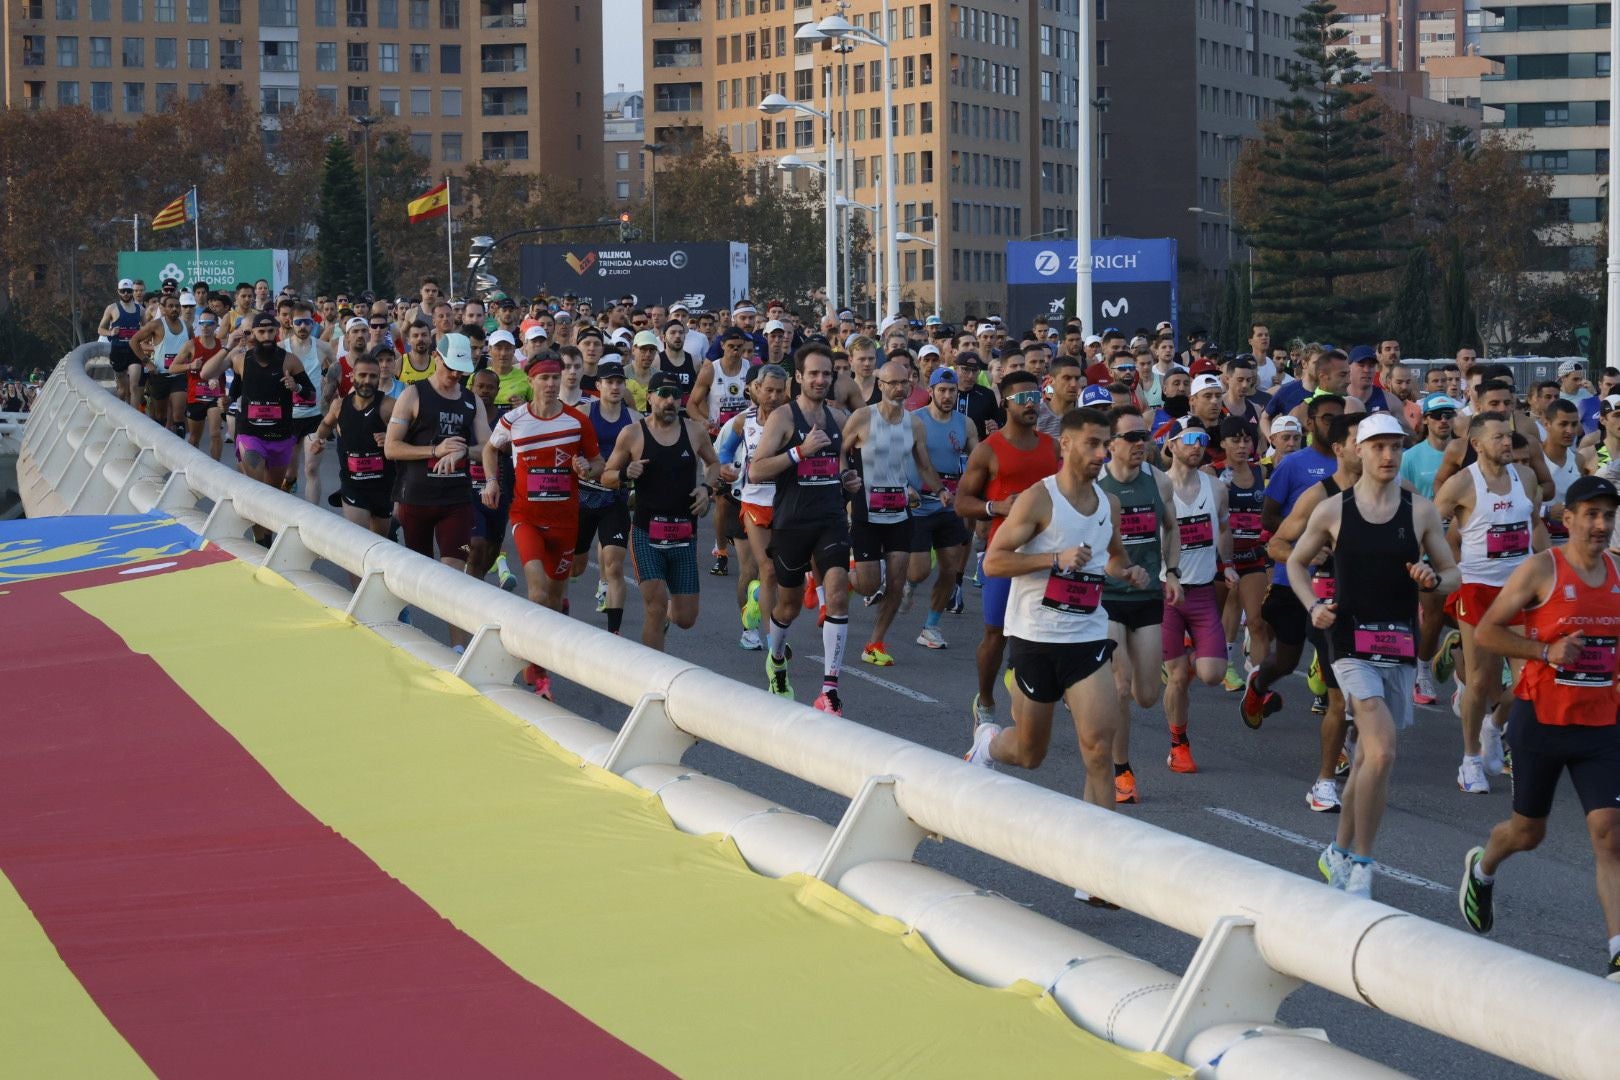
{"x": 1133, "y": 281}
{"x": 221, "y": 269}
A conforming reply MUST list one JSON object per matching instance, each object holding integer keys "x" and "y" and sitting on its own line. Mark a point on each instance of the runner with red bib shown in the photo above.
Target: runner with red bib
{"x": 203, "y": 396}
{"x": 1565, "y": 714}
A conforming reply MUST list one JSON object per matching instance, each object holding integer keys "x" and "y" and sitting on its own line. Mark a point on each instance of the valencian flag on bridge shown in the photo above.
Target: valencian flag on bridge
{"x": 264, "y": 840}
{"x": 177, "y": 213}
{"x": 432, "y": 204}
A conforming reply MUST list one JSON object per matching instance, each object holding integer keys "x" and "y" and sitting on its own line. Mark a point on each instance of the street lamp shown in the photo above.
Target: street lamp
{"x": 873, "y": 211}
{"x": 134, "y": 220}
{"x": 1061, "y": 230}
{"x": 776, "y": 103}
{"x": 1085, "y": 138}
{"x": 809, "y": 33}
{"x": 365, "y": 123}
{"x": 841, "y": 29}
{"x": 653, "y": 148}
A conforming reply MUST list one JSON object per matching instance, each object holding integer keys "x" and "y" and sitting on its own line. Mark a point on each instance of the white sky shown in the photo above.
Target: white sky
{"x": 621, "y": 45}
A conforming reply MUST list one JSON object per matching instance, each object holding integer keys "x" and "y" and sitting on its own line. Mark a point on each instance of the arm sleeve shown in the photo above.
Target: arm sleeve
{"x": 726, "y": 448}
{"x": 500, "y": 436}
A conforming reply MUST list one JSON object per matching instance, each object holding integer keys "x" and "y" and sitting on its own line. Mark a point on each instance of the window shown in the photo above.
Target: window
{"x": 67, "y": 52}
{"x": 449, "y": 59}
{"x": 422, "y": 143}
{"x": 67, "y": 93}
{"x": 230, "y": 54}
{"x": 197, "y": 54}
{"x": 804, "y": 133}
{"x": 388, "y": 100}
{"x": 165, "y": 53}
{"x": 621, "y": 189}
{"x": 197, "y": 11}
{"x": 450, "y": 146}
{"x": 927, "y": 168}
{"x": 275, "y": 100}
{"x": 134, "y": 11}
{"x": 908, "y": 69}
{"x": 100, "y": 10}
{"x": 101, "y": 52}
{"x": 449, "y": 14}
{"x": 388, "y": 14}
{"x": 134, "y": 52}
{"x": 388, "y": 57}
{"x": 101, "y": 97}
{"x": 803, "y": 85}
{"x": 621, "y": 160}
{"x": 421, "y": 60}
{"x": 230, "y": 12}
{"x": 355, "y": 13}
{"x": 449, "y": 102}
{"x": 67, "y": 9}
{"x": 326, "y": 56}
{"x": 359, "y": 101}
{"x": 927, "y": 118}
{"x": 163, "y": 10}
{"x": 421, "y": 102}
{"x": 327, "y": 96}
{"x": 278, "y": 12}
{"x": 134, "y": 97}
{"x": 722, "y": 101}
{"x": 278, "y": 56}
{"x": 325, "y": 12}
{"x": 418, "y": 14}
{"x": 359, "y": 54}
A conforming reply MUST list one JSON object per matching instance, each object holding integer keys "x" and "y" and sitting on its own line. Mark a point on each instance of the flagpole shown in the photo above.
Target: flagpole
{"x": 137, "y": 230}
{"x": 449, "y": 238}
{"x": 196, "y": 234}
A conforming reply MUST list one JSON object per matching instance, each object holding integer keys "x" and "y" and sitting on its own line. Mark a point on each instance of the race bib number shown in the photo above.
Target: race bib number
{"x": 1508, "y": 541}
{"x": 1245, "y": 525}
{"x": 548, "y": 485}
{"x": 365, "y": 466}
{"x": 1384, "y": 643}
{"x": 1197, "y": 532}
{"x": 817, "y": 469}
{"x": 1325, "y": 586}
{"x": 1138, "y": 524}
{"x": 208, "y": 391}
{"x": 886, "y": 500}
{"x": 949, "y": 481}
{"x": 1593, "y": 667}
{"x": 475, "y": 473}
{"x": 1073, "y": 593}
{"x": 670, "y": 530}
{"x": 263, "y": 412}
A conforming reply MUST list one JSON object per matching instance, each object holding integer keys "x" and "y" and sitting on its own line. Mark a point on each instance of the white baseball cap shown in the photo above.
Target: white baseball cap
{"x": 646, "y": 337}
{"x": 456, "y": 349}
{"x": 1378, "y": 424}
{"x": 535, "y": 333}
{"x": 1093, "y": 339}
{"x": 1206, "y": 382}
{"x": 928, "y": 350}
{"x": 125, "y": 283}
{"x": 504, "y": 337}
{"x": 678, "y": 306}
{"x": 187, "y": 300}
{"x": 1284, "y": 424}
{"x": 892, "y": 320}
{"x": 356, "y": 320}
{"x": 774, "y": 325}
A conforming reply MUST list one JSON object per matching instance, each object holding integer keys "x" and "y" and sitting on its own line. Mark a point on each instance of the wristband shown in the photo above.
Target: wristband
{"x": 1176, "y": 570}
{"x": 1546, "y": 651}
{"x": 793, "y": 454}
{"x": 1055, "y": 566}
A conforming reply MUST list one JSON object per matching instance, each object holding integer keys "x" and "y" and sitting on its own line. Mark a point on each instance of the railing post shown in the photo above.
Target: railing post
{"x": 372, "y": 601}
{"x": 139, "y": 469}
{"x": 648, "y": 737}
{"x": 95, "y": 491}
{"x": 1227, "y": 982}
{"x": 288, "y": 552}
{"x": 874, "y": 827}
{"x": 485, "y": 662}
{"x": 224, "y": 523}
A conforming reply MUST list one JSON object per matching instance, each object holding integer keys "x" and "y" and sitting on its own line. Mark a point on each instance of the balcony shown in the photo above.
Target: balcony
{"x": 666, "y": 12}
{"x": 503, "y": 15}
{"x": 678, "y": 98}
{"x": 503, "y": 59}
{"x": 677, "y": 54}
{"x": 503, "y": 22}
{"x": 508, "y": 103}
{"x": 33, "y": 103}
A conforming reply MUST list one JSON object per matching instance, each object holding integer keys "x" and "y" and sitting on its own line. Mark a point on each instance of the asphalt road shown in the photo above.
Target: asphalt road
{"x": 1248, "y": 796}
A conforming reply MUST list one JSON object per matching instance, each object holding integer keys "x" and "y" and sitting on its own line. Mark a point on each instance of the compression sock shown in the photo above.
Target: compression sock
{"x": 1121, "y": 770}
{"x": 933, "y": 618}
{"x": 776, "y": 639}
{"x": 834, "y": 635}
{"x": 615, "y": 619}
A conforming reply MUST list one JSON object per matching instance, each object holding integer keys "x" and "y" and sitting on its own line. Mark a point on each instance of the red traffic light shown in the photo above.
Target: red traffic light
{"x": 624, "y": 217}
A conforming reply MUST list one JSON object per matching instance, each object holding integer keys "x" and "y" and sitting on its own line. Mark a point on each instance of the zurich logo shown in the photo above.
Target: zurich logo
{"x": 1047, "y": 263}
{"x": 677, "y": 260}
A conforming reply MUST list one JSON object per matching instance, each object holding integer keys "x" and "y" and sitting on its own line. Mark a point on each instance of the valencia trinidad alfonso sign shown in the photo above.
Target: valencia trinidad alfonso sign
{"x": 652, "y": 273}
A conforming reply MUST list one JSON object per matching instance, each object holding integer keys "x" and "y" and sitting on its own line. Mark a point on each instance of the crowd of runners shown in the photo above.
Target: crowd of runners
{"x": 1138, "y": 511}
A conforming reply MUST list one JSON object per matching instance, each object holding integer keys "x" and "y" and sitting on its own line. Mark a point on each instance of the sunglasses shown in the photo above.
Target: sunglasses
{"x": 1444, "y": 414}
{"x": 1132, "y": 436}
{"x": 379, "y": 326}
{"x": 666, "y": 392}
{"x": 303, "y": 322}
{"x": 1194, "y": 438}
{"x": 1024, "y": 397}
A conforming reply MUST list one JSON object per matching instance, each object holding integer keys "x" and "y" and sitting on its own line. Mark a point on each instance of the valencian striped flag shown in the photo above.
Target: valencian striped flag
{"x": 435, "y": 203}
{"x": 179, "y": 212}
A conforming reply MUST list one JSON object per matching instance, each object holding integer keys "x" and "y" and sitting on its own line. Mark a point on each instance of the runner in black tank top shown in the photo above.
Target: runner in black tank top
{"x": 367, "y": 477}
{"x": 664, "y": 488}
{"x": 438, "y": 418}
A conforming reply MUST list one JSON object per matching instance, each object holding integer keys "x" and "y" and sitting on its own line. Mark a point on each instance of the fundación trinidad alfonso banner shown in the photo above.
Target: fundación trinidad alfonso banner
{"x": 707, "y": 275}
{"x": 222, "y": 269}
{"x": 1133, "y": 281}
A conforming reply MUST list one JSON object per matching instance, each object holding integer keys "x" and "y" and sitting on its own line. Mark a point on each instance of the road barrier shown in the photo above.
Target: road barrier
{"x": 1263, "y": 931}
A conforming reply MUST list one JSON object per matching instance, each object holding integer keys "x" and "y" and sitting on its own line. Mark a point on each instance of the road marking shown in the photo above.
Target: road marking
{"x": 1316, "y": 845}
{"x": 147, "y": 568}
{"x": 903, "y": 691}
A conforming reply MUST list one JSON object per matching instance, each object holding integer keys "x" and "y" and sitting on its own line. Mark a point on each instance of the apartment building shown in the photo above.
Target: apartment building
{"x": 474, "y": 81}
{"x": 624, "y": 168}
{"x": 1402, "y": 35}
{"x": 1553, "y": 91}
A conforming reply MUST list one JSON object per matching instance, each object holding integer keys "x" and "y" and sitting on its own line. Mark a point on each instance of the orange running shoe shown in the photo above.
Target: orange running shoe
{"x": 1125, "y": 787}
{"x": 1181, "y": 759}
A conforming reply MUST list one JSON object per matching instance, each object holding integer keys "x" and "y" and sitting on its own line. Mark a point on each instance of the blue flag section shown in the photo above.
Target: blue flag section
{"x": 1133, "y": 282}
{"x": 44, "y": 547}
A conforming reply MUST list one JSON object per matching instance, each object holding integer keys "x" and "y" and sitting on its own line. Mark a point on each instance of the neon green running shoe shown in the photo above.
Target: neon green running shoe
{"x": 1313, "y": 678}
{"x": 751, "y": 617}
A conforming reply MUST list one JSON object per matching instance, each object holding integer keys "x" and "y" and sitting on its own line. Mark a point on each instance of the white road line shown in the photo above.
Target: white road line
{"x": 1316, "y": 845}
{"x": 903, "y": 691}
{"x": 146, "y": 568}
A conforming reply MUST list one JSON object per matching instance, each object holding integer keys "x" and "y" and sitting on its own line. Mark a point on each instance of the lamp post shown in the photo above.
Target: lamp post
{"x": 365, "y": 123}
{"x": 877, "y": 259}
{"x": 1061, "y": 230}
{"x": 1085, "y": 138}
{"x": 1101, "y": 104}
{"x": 776, "y": 103}
{"x": 939, "y": 279}
{"x": 653, "y": 148}
{"x": 134, "y": 220}
{"x": 1612, "y": 326}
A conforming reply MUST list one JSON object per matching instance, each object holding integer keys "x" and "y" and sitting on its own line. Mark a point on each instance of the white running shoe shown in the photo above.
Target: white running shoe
{"x": 1456, "y": 702}
{"x": 1471, "y": 777}
{"x": 979, "y": 753}
{"x": 906, "y": 598}
{"x": 982, "y": 714}
{"x": 1323, "y": 797}
{"x": 931, "y": 638}
{"x": 1334, "y": 867}
{"x": 1359, "y": 880}
{"x": 750, "y": 641}
{"x": 1490, "y": 744}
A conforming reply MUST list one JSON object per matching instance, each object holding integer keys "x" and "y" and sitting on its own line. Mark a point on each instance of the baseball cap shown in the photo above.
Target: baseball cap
{"x": 646, "y": 337}
{"x": 1093, "y": 339}
{"x": 1363, "y": 354}
{"x": 125, "y": 283}
{"x": 502, "y": 337}
{"x": 1378, "y": 424}
{"x": 1437, "y": 401}
{"x": 661, "y": 379}
{"x": 1610, "y": 403}
{"x": 678, "y": 306}
{"x": 1161, "y": 326}
{"x": 1203, "y": 366}
{"x": 933, "y": 320}
{"x": 560, "y": 316}
{"x": 609, "y": 369}
{"x": 264, "y": 318}
{"x": 1284, "y": 424}
{"x": 535, "y": 333}
{"x": 928, "y": 350}
{"x": 1097, "y": 395}
{"x": 1053, "y": 332}
{"x": 892, "y": 320}
{"x": 1206, "y": 382}
{"x": 733, "y": 333}
{"x": 456, "y": 349}
{"x": 187, "y": 300}
{"x": 357, "y": 320}
{"x": 1588, "y": 488}
{"x": 967, "y": 358}
{"x": 774, "y": 325}
{"x": 1099, "y": 374}
{"x": 941, "y": 375}
{"x": 1569, "y": 366}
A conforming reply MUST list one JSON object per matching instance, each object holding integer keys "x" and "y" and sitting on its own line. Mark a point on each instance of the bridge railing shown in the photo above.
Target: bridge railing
{"x": 1263, "y": 931}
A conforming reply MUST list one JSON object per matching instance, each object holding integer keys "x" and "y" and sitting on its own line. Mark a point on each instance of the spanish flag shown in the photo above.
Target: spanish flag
{"x": 436, "y": 203}
{"x": 179, "y": 212}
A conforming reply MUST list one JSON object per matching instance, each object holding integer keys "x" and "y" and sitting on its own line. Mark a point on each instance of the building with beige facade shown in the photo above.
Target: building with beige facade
{"x": 489, "y": 81}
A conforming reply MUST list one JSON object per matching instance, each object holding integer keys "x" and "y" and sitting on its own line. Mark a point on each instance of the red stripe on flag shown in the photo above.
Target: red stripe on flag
{"x": 222, "y": 929}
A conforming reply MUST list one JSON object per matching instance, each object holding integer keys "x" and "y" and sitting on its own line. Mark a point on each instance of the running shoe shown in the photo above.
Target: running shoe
{"x": 1471, "y": 777}
{"x": 1125, "y": 787}
{"x": 776, "y": 676}
{"x": 750, "y": 641}
{"x": 1423, "y": 688}
{"x": 1456, "y": 701}
{"x": 1335, "y": 867}
{"x": 1313, "y": 677}
{"x": 956, "y": 606}
{"x": 1095, "y": 901}
{"x": 721, "y": 566}
{"x": 1323, "y": 797}
{"x": 601, "y": 596}
{"x": 982, "y": 714}
{"x": 979, "y": 752}
{"x": 1474, "y": 895}
{"x": 1341, "y": 767}
{"x": 751, "y": 615}
{"x": 503, "y": 574}
{"x": 931, "y": 638}
{"x": 907, "y": 595}
{"x": 1181, "y": 759}
{"x": 1319, "y": 705}
{"x": 876, "y": 655}
{"x": 828, "y": 701}
{"x": 1444, "y": 662}
{"x": 876, "y": 597}
{"x": 1254, "y": 706}
{"x": 1233, "y": 681}
{"x": 1360, "y": 881}
{"x": 539, "y": 680}
{"x": 1490, "y": 744}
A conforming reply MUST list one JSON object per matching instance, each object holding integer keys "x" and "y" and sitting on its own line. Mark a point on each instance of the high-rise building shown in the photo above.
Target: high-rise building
{"x": 624, "y": 168}
{"x": 1401, "y": 35}
{"x": 482, "y": 81}
{"x": 1554, "y": 92}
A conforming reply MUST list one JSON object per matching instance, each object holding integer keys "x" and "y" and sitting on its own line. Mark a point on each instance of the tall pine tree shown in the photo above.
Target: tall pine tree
{"x": 1411, "y": 318}
{"x": 1459, "y": 326}
{"x": 1326, "y": 195}
{"x": 340, "y": 242}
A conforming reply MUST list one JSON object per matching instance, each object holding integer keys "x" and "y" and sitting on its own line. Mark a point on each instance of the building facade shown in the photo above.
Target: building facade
{"x": 468, "y": 78}
{"x": 1402, "y": 35}
{"x": 624, "y": 168}
{"x": 1554, "y": 93}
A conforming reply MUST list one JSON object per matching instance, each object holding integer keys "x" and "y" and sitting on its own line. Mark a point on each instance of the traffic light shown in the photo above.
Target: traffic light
{"x": 624, "y": 225}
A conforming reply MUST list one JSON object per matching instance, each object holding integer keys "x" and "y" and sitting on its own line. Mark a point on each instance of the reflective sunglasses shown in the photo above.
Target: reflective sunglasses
{"x": 665, "y": 392}
{"x": 1194, "y": 437}
{"x": 1024, "y": 397}
{"x": 303, "y": 322}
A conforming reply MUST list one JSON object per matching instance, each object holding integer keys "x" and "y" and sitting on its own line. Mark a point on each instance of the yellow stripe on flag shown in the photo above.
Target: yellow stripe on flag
{"x": 572, "y": 877}
{"x": 51, "y": 1027}
{"x": 171, "y": 215}
{"x": 433, "y": 204}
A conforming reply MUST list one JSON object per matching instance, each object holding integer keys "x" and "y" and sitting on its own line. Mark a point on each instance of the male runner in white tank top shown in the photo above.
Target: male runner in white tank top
{"x": 157, "y": 344}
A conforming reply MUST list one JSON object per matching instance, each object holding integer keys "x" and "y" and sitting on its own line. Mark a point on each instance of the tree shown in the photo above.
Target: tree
{"x": 1411, "y": 317}
{"x": 1322, "y": 196}
{"x": 340, "y": 244}
{"x": 1459, "y": 327}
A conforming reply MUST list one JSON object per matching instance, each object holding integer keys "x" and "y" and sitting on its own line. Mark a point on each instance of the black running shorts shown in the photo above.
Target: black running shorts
{"x": 1044, "y": 672}
{"x": 1542, "y": 752}
{"x": 794, "y": 550}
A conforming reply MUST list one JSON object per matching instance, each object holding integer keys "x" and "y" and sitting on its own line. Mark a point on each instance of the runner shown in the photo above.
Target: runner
{"x": 1563, "y": 422}
{"x": 800, "y": 449}
{"x": 1063, "y": 390}
{"x": 360, "y": 421}
{"x": 604, "y": 513}
{"x": 158, "y": 343}
{"x": 1568, "y": 600}
{"x": 1055, "y": 545}
{"x": 891, "y": 442}
{"x": 1152, "y": 539}
{"x": 659, "y": 456}
{"x": 1014, "y": 458}
{"x": 1245, "y": 500}
{"x": 755, "y": 498}
{"x": 1369, "y": 624}
{"x": 120, "y": 321}
{"x": 202, "y": 395}
{"x": 1418, "y": 467}
{"x": 937, "y": 533}
{"x": 720, "y": 393}
{"x": 418, "y": 362}
{"x": 316, "y": 356}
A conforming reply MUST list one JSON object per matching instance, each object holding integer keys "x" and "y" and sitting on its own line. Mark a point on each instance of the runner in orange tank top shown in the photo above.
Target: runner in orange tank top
{"x": 1565, "y": 715}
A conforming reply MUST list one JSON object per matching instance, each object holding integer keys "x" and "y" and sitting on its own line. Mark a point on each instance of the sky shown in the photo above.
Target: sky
{"x": 621, "y": 45}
